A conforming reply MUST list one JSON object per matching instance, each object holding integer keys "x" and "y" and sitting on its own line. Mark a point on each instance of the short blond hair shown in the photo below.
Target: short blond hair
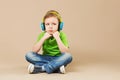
{"x": 52, "y": 13}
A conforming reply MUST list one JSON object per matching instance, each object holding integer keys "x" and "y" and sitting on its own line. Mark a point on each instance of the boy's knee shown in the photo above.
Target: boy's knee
{"x": 29, "y": 54}
{"x": 68, "y": 56}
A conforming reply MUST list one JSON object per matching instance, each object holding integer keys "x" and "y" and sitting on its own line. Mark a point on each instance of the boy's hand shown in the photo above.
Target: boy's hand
{"x": 56, "y": 34}
{"x": 47, "y": 35}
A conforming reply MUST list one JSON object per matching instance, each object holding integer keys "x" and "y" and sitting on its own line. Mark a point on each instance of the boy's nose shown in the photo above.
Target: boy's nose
{"x": 50, "y": 26}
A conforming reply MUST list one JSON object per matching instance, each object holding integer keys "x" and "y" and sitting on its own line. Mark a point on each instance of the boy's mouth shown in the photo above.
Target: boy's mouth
{"x": 50, "y": 30}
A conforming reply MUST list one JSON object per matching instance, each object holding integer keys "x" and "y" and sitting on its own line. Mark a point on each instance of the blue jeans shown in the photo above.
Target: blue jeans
{"x": 50, "y": 63}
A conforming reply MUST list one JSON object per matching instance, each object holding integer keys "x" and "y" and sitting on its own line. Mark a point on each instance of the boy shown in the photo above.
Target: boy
{"x": 54, "y": 45}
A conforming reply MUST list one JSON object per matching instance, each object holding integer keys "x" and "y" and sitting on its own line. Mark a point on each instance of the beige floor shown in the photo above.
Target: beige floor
{"x": 78, "y": 70}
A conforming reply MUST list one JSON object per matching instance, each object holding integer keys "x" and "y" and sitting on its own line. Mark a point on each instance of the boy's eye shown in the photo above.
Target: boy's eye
{"x": 47, "y": 24}
{"x": 53, "y": 23}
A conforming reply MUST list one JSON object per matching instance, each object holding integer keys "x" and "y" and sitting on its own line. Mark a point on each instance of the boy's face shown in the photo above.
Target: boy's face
{"x": 51, "y": 24}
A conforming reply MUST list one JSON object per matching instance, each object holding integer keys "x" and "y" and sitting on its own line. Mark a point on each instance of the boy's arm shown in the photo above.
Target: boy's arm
{"x": 61, "y": 46}
{"x": 36, "y": 48}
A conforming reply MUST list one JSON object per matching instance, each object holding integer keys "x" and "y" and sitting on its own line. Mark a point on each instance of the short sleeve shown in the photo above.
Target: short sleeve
{"x": 40, "y": 36}
{"x": 64, "y": 39}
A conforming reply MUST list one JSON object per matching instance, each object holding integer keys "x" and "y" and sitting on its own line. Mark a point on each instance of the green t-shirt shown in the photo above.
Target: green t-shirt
{"x": 50, "y": 46}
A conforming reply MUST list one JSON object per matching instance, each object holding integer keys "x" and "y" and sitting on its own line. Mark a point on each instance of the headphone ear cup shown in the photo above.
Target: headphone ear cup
{"x": 61, "y": 25}
{"x": 42, "y": 26}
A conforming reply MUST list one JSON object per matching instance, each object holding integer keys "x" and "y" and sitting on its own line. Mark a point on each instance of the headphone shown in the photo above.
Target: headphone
{"x": 61, "y": 24}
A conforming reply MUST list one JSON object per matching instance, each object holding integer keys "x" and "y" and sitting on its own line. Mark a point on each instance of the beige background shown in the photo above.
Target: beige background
{"x": 92, "y": 27}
